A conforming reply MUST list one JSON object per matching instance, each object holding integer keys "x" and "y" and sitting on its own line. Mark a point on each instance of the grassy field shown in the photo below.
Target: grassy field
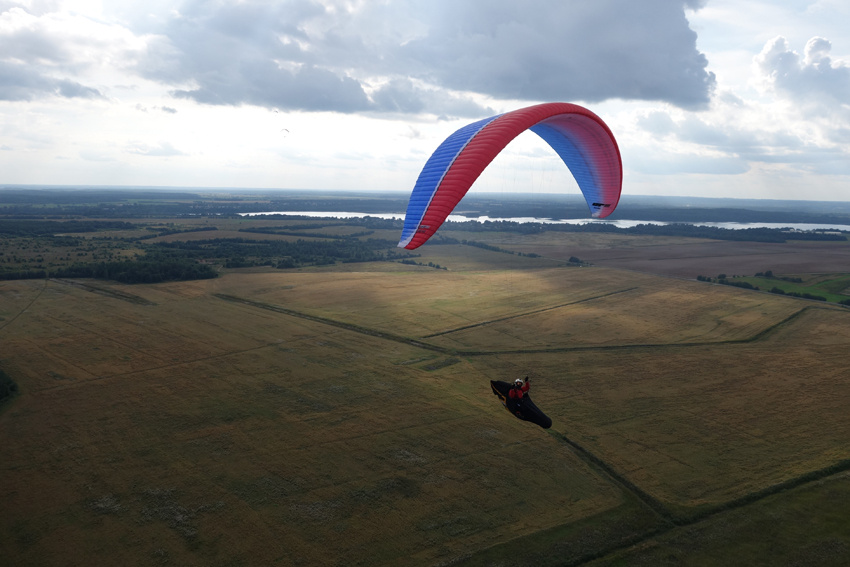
{"x": 831, "y": 287}
{"x": 342, "y": 416}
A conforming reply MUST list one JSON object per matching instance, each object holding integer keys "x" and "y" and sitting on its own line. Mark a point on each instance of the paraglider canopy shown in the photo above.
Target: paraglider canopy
{"x": 581, "y": 139}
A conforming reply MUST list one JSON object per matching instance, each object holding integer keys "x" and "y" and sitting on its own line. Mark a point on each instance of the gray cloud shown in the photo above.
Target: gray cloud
{"x": 404, "y": 96}
{"x": 35, "y": 62}
{"x": 404, "y": 56}
{"x": 540, "y": 50}
{"x": 262, "y": 83}
{"x": 657, "y": 122}
{"x": 22, "y": 82}
{"x": 733, "y": 145}
{"x": 401, "y": 57}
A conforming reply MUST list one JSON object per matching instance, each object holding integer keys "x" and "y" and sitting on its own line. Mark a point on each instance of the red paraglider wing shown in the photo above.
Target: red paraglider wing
{"x": 582, "y": 140}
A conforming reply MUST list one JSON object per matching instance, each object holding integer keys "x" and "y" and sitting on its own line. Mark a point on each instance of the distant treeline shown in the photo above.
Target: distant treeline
{"x": 190, "y": 260}
{"x": 676, "y": 229}
{"x": 723, "y": 280}
{"x": 127, "y": 271}
{"x": 72, "y": 196}
{"x": 139, "y": 271}
{"x": 671, "y": 214}
{"x": 239, "y": 252}
{"x": 482, "y": 245}
{"x": 36, "y": 227}
{"x": 369, "y": 222}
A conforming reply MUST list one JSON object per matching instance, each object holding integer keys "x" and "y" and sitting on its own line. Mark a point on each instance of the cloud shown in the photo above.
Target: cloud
{"x": 814, "y": 80}
{"x": 435, "y": 57}
{"x": 43, "y": 52}
{"x": 163, "y": 149}
{"x": 22, "y": 82}
{"x": 406, "y": 96}
{"x": 815, "y": 90}
{"x": 263, "y": 83}
{"x": 798, "y": 121}
{"x": 556, "y": 50}
{"x": 385, "y": 58}
{"x": 736, "y": 133}
{"x": 166, "y": 109}
{"x": 643, "y": 161}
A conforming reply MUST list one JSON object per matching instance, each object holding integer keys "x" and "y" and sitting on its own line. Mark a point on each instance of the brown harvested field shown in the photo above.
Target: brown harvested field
{"x": 689, "y": 257}
{"x": 526, "y": 309}
{"x": 175, "y": 424}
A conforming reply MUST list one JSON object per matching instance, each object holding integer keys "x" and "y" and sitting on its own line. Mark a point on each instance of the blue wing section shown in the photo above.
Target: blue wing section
{"x": 574, "y": 155}
{"x": 432, "y": 174}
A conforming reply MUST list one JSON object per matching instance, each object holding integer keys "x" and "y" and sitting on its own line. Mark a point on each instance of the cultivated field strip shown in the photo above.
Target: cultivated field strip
{"x": 525, "y": 314}
{"x": 758, "y": 334}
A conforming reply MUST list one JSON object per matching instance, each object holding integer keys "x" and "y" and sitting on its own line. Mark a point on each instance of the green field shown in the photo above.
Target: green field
{"x": 831, "y": 287}
{"x": 342, "y": 415}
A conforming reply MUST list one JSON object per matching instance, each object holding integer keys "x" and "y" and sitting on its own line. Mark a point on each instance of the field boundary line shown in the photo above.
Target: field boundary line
{"x": 756, "y": 337}
{"x": 671, "y": 520}
{"x": 469, "y": 352}
{"x": 22, "y": 311}
{"x": 624, "y": 483}
{"x": 735, "y": 504}
{"x": 336, "y": 323}
{"x": 534, "y": 312}
{"x": 114, "y": 293}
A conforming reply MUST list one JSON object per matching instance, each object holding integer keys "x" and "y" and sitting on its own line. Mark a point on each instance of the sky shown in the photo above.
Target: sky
{"x": 709, "y": 98}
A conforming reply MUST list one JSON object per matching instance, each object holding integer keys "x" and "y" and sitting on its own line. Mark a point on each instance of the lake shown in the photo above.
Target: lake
{"x": 617, "y": 223}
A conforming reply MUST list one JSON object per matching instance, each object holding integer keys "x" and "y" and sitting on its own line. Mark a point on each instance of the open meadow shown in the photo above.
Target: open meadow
{"x": 341, "y": 415}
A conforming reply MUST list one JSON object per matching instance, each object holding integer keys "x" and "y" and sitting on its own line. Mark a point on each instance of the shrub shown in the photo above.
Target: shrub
{"x": 8, "y": 387}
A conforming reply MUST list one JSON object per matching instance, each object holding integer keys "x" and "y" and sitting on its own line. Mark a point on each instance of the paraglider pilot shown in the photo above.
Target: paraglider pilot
{"x": 519, "y": 390}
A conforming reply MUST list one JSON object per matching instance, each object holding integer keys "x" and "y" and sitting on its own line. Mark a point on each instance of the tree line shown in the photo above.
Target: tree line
{"x": 724, "y": 280}
{"x": 189, "y": 260}
{"x": 239, "y": 252}
{"x": 154, "y": 270}
{"x": 38, "y": 227}
{"x": 773, "y": 235}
